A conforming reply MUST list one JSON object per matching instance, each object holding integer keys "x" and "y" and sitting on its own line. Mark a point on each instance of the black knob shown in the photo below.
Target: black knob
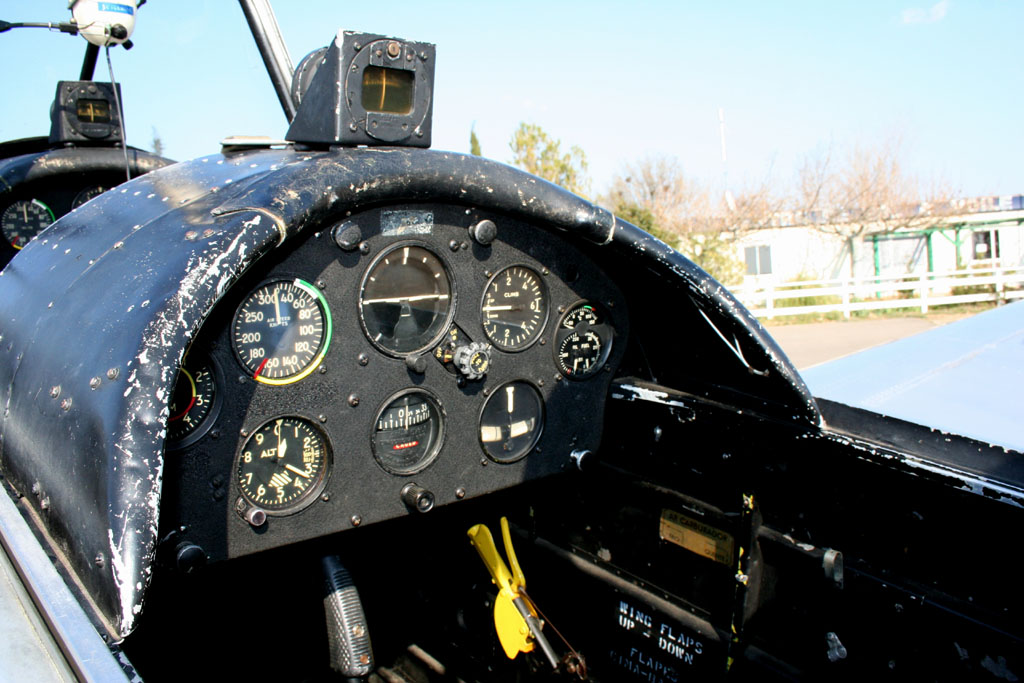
{"x": 348, "y": 236}
{"x": 417, "y": 363}
{"x": 483, "y": 232}
{"x": 417, "y": 498}
{"x": 188, "y": 557}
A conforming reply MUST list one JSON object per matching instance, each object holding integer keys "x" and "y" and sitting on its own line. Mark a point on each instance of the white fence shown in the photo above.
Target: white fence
{"x": 772, "y": 300}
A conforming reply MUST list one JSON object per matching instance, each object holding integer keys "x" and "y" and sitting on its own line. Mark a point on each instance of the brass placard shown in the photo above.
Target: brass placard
{"x": 697, "y": 537}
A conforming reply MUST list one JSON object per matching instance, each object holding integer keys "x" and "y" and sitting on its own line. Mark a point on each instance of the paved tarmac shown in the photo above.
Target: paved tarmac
{"x": 812, "y": 343}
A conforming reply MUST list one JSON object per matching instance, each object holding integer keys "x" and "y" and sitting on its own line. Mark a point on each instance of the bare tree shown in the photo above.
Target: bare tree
{"x": 867, "y": 192}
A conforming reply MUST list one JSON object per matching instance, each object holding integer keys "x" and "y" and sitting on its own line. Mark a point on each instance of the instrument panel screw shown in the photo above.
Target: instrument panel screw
{"x": 55, "y": 391}
{"x": 540, "y": 382}
{"x": 352, "y": 126}
{"x": 322, "y": 370}
{"x": 488, "y": 273}
{"x": 112, "y": 373}
{"x": 94, "y": 383}
{"x": 543, "y": 342}
{"x": 322, "y": 418}
{"x": 356, "y": 520}
{"x": 561, "y": 309}
{"x": 325, "y": 496}
{"x": 364, "y": 359}
{"x": 460, "y": 493}
{"x": 558, "y": 378}
{"x": 545, "y": 271}
{"x": 364, "y": 248}
{"x": 244, "y": 432}
{"x": 321, "y": 284}
{"x": 353, "y": 400}
{"x": 454, "y": 245}
{"x": 487, "y": 392}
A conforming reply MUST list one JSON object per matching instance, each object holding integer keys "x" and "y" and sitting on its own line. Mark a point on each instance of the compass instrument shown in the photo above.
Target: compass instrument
{"x": 283, "y": 465}
{"x": 406, "y": 301}
{"x": 281, "y": 331}
{"x": 514, "y": 308}
{"x": 408, "y": 432}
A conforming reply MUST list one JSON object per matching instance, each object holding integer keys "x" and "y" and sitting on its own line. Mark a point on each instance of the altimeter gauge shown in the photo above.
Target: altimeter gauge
{"x": 283, "y": 465}
{"x": 514, "y": 308}
{"x": 281, "y": 331}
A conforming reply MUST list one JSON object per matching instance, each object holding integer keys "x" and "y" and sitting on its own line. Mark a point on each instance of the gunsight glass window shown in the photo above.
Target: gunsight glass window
{"x": 387, "y": 90}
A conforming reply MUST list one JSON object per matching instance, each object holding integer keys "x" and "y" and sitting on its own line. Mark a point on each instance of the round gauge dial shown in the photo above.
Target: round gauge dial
{"x": 283, "y": 465}
{"x": 405, "y": 301}
{"x": 23, "y": 220}
{"x": 281, "y": 331}
{"x": 408, "y": 432}
{"x": 514, "y": 308}
{"x": 583, "y": 341}
{"x": 87, "y": 194}
{"x": 192, "y": 403}
{"x": 511, "y": 421}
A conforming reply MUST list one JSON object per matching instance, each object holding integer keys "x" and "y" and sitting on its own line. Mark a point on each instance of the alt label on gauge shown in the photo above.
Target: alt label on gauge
{"x": 283, "y": 465}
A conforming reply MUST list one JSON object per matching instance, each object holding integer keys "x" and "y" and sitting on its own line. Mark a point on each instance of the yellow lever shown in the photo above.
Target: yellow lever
{"x": 515, "y": 617}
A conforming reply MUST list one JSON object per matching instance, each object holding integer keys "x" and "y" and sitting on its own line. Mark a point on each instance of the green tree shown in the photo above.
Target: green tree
{"x": 474, "y": 142}
{"x": 536, "y": 152}
{"x": 158, "y": 144}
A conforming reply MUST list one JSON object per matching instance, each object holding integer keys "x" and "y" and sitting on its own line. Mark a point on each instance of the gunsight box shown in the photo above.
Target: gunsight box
{"x": 365, "y": 89}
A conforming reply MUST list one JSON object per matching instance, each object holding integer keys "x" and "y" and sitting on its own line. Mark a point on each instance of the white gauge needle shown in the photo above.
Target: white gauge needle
{"x": 296, "y": 470}
{"x": 401, "y": 299}
{"x": 277, "y": 305}
{"x": 282, "y": 446}
{"x": 498, "y": 308}
{"x": 510, "y": 392}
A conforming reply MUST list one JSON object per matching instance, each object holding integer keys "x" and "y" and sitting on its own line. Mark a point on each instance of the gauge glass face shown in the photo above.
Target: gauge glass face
{"x": 192, "y": 402}
{"x": 87, "y": 194}
{"x": 281, "y": 331}
{"x": 583, "y": 341}
{"x": 405, "y": 301}
{"x": 511, "y": 422}
{"x": 514, "y": 308}
{"x": 23, "y": 220}
{"x": 283, "y": 465}
{"x": 408, "y": 432}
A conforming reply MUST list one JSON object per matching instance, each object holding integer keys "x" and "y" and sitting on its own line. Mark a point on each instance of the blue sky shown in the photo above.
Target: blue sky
{"x": 620, "y": 80}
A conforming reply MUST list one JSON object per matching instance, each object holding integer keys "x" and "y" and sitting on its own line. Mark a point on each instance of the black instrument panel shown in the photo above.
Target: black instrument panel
{"x": 385, "y": 364}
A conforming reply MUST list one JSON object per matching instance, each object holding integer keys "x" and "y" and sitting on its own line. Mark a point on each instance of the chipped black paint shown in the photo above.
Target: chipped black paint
{"x": 116, "y": 291}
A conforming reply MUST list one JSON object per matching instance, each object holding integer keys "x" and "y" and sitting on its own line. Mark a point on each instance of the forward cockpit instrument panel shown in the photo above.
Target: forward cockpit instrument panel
{"x": 396, "y": 359}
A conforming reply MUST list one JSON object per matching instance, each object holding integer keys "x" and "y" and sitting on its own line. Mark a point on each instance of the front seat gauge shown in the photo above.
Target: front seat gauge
{"x": 194, "y": 402}
{"x": 283, "y": 465}
{"x": 514, "y": 308}
{"x": 281, "y": 331}
{"x": 405, "y": 301}
{"x": 583, "y": 341}
{"x": 408, "y": 432}
{"x": 511, "y": 421}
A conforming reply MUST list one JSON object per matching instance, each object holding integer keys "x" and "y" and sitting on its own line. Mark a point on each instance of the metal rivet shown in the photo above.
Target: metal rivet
{"x": 118, "y": 245}
{"x": 460, "y": 493}
{"x": 208, "y": 232}
{"x": 66, "y": 404}
{"x": 94, "y": 383}
{"x": 55, "y": 391}
{"x": 191, "y": 235}
{"x": 356, "y": 520}
{"x": 112, "y": 373}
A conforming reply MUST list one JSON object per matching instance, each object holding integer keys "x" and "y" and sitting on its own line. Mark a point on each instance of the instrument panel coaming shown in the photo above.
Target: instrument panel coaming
{"x": 356, "y": 384}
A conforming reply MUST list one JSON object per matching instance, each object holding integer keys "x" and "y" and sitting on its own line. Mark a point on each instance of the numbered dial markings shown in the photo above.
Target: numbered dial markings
{"x": 583, "y": 341}
{"x": 514, "y": 308}
{"x": 192, "y": 402}
{"x": 405, "y": 301}
{"x": 23, "y": 220}
{"x": 283, "y": 465}
{"x": 281, "y": 331}
{"x": 511, "y": 422}
{"x": 408, "y": 432}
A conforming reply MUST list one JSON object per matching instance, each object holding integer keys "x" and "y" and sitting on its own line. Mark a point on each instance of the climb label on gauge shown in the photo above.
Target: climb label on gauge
{"x": 281, "y": 331}
{"x": 408, "y": 432}
{"x": 514, "y": 308}
{"x": 283, "y": 465}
